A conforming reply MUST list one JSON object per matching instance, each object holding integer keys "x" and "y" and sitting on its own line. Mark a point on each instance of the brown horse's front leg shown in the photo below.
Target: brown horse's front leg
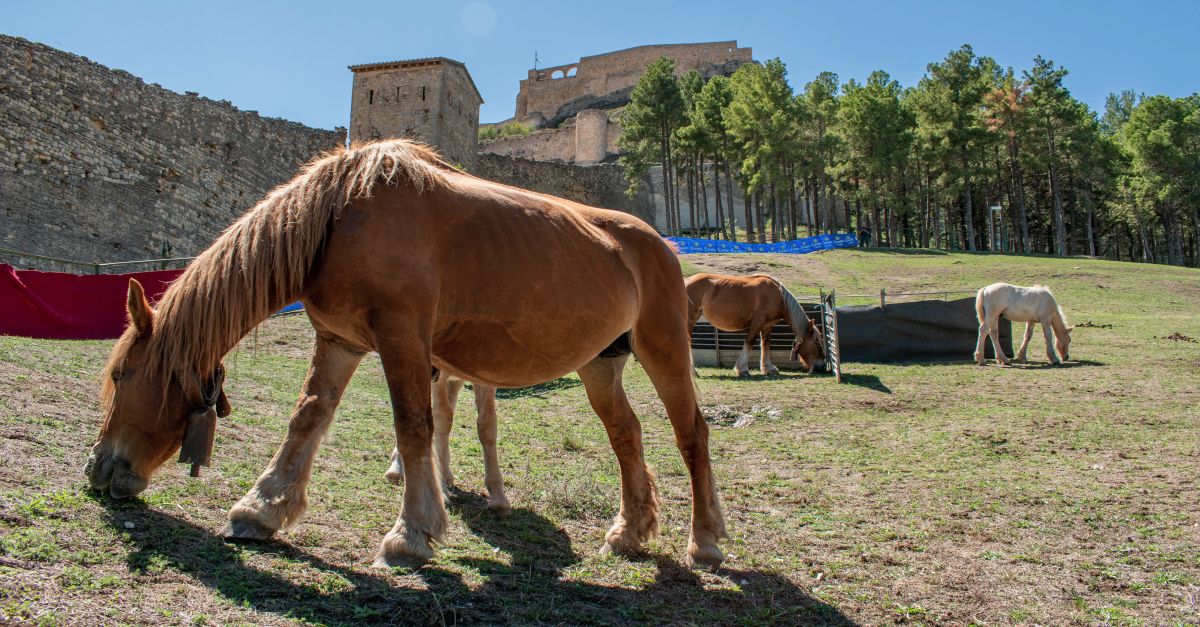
{"x": 423, "y": 519}
{"x": 277, "y": 500}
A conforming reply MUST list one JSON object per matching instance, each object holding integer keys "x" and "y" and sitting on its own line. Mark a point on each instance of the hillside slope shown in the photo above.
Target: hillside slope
{"x": 929, "y": 493}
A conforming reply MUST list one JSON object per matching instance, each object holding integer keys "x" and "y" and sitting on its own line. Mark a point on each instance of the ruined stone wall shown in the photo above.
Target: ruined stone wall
{"x": 547, "y": 91}
{"x": 551, "y": 144}
{"x": 601, "y": 185}
{"x": 96, "y": 165}
{"x": 560, "y": 144}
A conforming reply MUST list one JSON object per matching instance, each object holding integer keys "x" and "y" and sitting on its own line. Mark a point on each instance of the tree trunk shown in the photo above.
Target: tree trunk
{"x": 729, "y": 198}
{"x": 748, "y": 203}
{"x": 1018, "y": 183}
{"x": 1091, "y": 236}
{"x": 968, "y": 211}
{"x": 717, "y": 198}
{"x": 1060, "y": 226}
{"x": 792, "y": 202}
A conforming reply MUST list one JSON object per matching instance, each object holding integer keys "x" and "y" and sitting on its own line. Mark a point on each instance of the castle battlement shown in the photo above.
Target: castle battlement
{"x": 554, "y": 93}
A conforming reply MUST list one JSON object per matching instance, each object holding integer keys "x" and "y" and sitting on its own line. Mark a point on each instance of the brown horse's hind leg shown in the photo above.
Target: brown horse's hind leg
{"x": 742, "y": 366}
{"x": 423, "y": 519}
{"x": 485, "y": 422}
{"x": 445, "y": 399}
{"x": 660, "y": 344}
{"x": 637, "y": 521}
{"x": 764, "y": 361}
{"x": 277, "y": 499}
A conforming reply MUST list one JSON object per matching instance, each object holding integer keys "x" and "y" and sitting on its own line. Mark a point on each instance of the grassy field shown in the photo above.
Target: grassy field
{"x": 924, "y": 493}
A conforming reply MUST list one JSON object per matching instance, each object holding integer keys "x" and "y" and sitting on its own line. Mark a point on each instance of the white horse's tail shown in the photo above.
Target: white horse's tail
{"x": 979, "y": 307}
{"x": 796, "y": 316}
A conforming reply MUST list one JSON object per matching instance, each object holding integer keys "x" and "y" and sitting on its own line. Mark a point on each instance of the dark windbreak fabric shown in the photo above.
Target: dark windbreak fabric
{"x": 914, "y": 331}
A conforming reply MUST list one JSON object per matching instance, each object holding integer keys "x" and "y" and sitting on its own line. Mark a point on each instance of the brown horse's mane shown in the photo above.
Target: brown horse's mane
{"x": 260, "y": 262}
{"x": 796, "y": 316}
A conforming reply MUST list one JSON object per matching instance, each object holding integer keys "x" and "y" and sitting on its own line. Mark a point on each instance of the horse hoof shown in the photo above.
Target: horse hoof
{"x": 393, "y": 478}
{"x": 245, "y": 529}
{"x": 403, "y": 547}
{"x": 620, "y": 548}
{"x": 500, "y": 507}
{"x": 772, "y": 372}
{"x": 384, "y": 562}
{"x": 709, "y": 556}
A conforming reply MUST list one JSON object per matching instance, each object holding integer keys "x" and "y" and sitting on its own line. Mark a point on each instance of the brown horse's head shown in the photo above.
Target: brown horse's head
{"x": 146, "y": 407}
{"x": 809, "y": 349}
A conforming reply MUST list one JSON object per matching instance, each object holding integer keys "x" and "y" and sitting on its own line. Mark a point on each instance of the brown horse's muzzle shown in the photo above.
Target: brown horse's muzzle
{"x": 105, "y": 471}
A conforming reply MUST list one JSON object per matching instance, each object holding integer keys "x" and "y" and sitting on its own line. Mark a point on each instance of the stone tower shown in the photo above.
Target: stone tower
{"x": 432, "y": 100}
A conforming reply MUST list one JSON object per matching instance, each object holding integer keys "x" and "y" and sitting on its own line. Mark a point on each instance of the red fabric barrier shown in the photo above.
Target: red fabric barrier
{"x": 60, "y": 306}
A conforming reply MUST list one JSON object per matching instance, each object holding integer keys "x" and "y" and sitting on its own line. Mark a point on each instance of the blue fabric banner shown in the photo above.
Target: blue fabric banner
{"x": 694, "y": 245}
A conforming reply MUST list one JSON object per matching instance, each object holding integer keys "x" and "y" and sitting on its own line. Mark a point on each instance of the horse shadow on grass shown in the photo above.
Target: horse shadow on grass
{"x": 540, "y": 390}
{"x": 868, "y": 381}
{"x": 530, "y": 589}
{"x": 1045, "y": 365}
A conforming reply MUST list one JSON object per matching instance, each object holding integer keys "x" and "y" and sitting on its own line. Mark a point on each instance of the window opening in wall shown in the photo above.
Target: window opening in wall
{"x": 557, "y": 74}
{"x": 422, "y": 92}
{"x": 371, "y": 97}
{"x": 572, "y": 71}
{"x": 397, "y": 94}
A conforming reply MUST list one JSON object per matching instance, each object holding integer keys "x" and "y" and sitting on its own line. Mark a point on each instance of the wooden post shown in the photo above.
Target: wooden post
{"x": 882, "y": 297}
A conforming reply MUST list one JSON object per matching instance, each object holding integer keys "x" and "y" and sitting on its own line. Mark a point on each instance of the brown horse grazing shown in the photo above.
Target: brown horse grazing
{"x": 754, "y": 303}
{"x": 392, "y": 250}
{"x": 445, "y": 398}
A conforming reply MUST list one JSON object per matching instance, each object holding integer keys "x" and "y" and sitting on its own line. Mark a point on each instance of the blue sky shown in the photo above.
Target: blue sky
{"x": 288, "y": 59}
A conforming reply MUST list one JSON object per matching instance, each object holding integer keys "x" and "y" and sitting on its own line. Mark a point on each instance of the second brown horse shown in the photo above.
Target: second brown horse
{"x": 754, "y": 303}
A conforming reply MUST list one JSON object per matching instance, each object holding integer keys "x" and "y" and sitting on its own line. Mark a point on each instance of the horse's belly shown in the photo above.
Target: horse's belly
{"x": 518, "y": 353}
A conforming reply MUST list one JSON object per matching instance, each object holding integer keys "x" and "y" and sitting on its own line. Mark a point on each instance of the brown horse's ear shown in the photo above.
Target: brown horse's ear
{"x": 140, "y": 313}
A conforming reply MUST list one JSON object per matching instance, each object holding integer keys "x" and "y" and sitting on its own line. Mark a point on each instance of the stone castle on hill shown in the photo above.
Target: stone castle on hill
{"x": 97, "y": 165}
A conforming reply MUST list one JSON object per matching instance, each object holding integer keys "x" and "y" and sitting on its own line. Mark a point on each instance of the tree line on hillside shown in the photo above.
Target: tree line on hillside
{"x": 974, "y": 157}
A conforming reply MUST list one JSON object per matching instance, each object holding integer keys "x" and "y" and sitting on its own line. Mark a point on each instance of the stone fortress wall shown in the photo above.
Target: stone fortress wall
{"x": 589, "y": 137}
{"x": 433, "y": 100}
{"x": 550, "y": 95}
{"x": 97, "y": 165}
{"x": 567, "y": 102}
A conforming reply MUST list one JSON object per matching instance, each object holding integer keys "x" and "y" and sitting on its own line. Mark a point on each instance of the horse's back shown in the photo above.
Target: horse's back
{"x": 519, "y": 287}
{"x": 1016, "y": 302}
{"x": 732, "y": 303}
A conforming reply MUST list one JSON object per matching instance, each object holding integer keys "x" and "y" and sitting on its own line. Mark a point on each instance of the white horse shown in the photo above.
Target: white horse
{"x": 445, "y": 398}
{"x": 1030, "y": 305}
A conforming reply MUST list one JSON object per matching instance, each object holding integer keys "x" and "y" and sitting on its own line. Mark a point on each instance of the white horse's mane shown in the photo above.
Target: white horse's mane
{"x": 1062, "y": 316}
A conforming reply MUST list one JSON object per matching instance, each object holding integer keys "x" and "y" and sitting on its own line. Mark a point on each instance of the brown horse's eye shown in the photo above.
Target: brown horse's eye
{"x": 117, "y": 375}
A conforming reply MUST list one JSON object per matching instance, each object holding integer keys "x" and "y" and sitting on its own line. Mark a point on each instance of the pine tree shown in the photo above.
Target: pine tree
{"x": 656, "y": 108}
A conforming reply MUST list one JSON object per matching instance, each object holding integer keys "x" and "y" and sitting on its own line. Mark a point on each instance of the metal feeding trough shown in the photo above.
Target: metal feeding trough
{"x": 714, "y": 347}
